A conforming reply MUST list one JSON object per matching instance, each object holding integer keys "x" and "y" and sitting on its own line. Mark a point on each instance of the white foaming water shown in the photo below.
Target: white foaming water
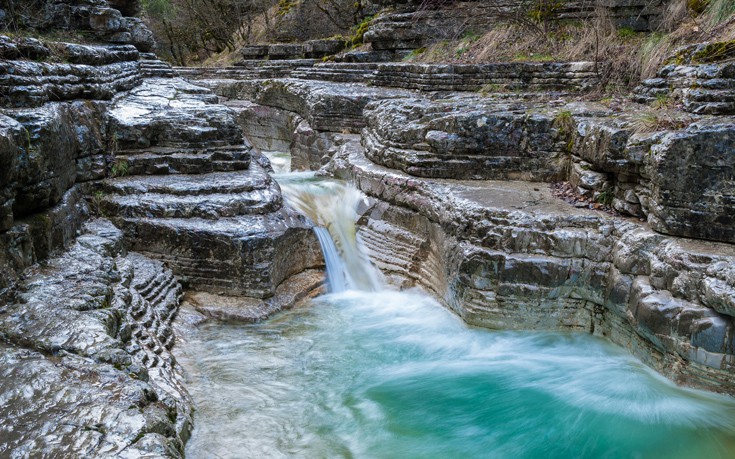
{"x": 332, "y": 206}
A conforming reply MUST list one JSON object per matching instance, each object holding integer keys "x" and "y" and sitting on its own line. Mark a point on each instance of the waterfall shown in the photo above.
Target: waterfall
{"x": 332, "y": 206}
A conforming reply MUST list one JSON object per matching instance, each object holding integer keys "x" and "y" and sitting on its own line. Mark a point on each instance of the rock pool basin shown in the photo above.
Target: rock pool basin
{"x": 394, "y": 374}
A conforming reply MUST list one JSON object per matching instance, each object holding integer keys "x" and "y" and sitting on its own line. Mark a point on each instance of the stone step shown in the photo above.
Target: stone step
{"x": 185, "y": 161}
{"x": 191, "y": 185}
{"x": 211, "y": 206}
{"x": 246, "y": 255}
{"x": 335, "y": 75}
{"x": 172, "y": 113}
{"x": 208, "y": 196}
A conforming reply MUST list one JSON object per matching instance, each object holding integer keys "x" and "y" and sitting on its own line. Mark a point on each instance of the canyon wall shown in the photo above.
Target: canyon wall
{"x": 642, "y": 254}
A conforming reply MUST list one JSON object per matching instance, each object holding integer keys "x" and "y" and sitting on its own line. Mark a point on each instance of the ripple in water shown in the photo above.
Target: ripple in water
{"x": 394, "y": 375}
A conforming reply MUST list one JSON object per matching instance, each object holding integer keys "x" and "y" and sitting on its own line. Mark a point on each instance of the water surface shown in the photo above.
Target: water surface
{"x": 394, "y": 375}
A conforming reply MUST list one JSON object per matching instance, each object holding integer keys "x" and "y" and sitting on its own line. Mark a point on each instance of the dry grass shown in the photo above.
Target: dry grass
{"x": 632, "y": 56}
{"x": 655, "y": 120}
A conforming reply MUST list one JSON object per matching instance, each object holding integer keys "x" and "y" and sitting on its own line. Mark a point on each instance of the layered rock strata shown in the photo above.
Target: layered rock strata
{"x": 604, "y": 152}
{"x": 508, "y": 255}
{"x": 408, "y": 25}
{"x": 86, "y": 363}
{"x": 90, "y": 72}
{"x": 85, "y": 325}
{"x": 98, "y": 18}
{"x": 701, "y": 77}
{"x": 196, "y": 196}
{"x": 312, "y": 49}
{"x": 495, "y": 77}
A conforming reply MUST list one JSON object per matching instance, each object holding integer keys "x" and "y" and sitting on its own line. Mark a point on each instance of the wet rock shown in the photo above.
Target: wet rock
{"x": 75, "y": 378}
{"x": 438, "y": 139}
{"x": 220, "y": 225}
{"x": 27, "y": 83}
{"x": 692, "y": 188}
{"x": 172, "y": 113}
{"x": 291, "y": 292}
{"x": 507, "y": 255}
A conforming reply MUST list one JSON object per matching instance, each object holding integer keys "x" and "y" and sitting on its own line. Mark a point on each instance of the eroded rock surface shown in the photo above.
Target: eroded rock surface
{"x": 195, "y": 195}
{"x": 508, "y": 255}
{"x": 86, "y": 363}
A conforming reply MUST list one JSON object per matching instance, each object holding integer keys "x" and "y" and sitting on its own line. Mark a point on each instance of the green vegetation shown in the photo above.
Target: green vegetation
{"x": 95, "y": 203}
{"x": 285, "y": 6}
{"x": 119, "y": 168}
{"x": 626, "y": 32}
{"x": 714, "y": 52}
{"x": 544, "y": 10}
{"x": 414, "y": 54}
{"x": 662, "y": 102}
{"x": 718, "y": 11}
{"x": 605, "y": 197}
{"x": 359, "y": 32}
{"x": 540, "y": 57}
{"x": 564, "y": 123}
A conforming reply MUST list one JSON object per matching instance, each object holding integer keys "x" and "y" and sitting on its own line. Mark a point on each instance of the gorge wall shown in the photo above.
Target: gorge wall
{"x": 463, "y": 208}
{"x": 122, "y": 184}
{"x": 119, "y": 183}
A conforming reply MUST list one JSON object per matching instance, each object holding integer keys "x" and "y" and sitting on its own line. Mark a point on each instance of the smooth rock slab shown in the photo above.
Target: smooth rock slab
{"x": 170, "y": 112}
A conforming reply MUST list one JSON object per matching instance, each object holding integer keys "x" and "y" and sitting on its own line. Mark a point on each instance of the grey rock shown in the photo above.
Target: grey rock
{"x": 507, "y": 255}
{"x": 692, "y": 188}
{"x": 89, "y": 337}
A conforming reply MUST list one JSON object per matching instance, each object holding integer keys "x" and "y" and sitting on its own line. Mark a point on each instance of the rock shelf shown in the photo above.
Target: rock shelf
{"x": 508, "y": 255}
{"x": 462, "y": 210}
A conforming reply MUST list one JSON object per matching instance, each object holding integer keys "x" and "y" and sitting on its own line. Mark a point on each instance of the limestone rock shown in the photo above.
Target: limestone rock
{"x": 507, "y": 255}
{"x": 89, "y": 339}
{"x": 692, "y": 186}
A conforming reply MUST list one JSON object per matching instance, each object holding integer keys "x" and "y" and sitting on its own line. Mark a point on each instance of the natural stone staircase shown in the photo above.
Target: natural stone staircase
{"x": 152, "y": 67}
{"x": 701, "y": 76}
{"x": 501, "y": 76}
{"x": 570, "y": 76}
{"x": 88, "y": 72}
{"x": 210, "y": 196}
{"x": 251, "y": 69}
{"x": 172, "y": 160}
{"x": 194, "y": 194}
{"x": 338, "y": 72}
{"x": 508, "y": 255}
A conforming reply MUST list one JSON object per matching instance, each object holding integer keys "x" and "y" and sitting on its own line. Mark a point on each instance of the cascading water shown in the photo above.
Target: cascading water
{"x": 332, "y": 206}
{"x": 385, "y": 374}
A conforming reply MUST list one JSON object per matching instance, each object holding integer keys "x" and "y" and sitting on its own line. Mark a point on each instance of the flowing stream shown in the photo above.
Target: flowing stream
{"x": 367, "y": 372}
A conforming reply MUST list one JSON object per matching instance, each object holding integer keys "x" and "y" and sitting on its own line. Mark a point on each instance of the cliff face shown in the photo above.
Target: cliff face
{"x": 103, "y": 129}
